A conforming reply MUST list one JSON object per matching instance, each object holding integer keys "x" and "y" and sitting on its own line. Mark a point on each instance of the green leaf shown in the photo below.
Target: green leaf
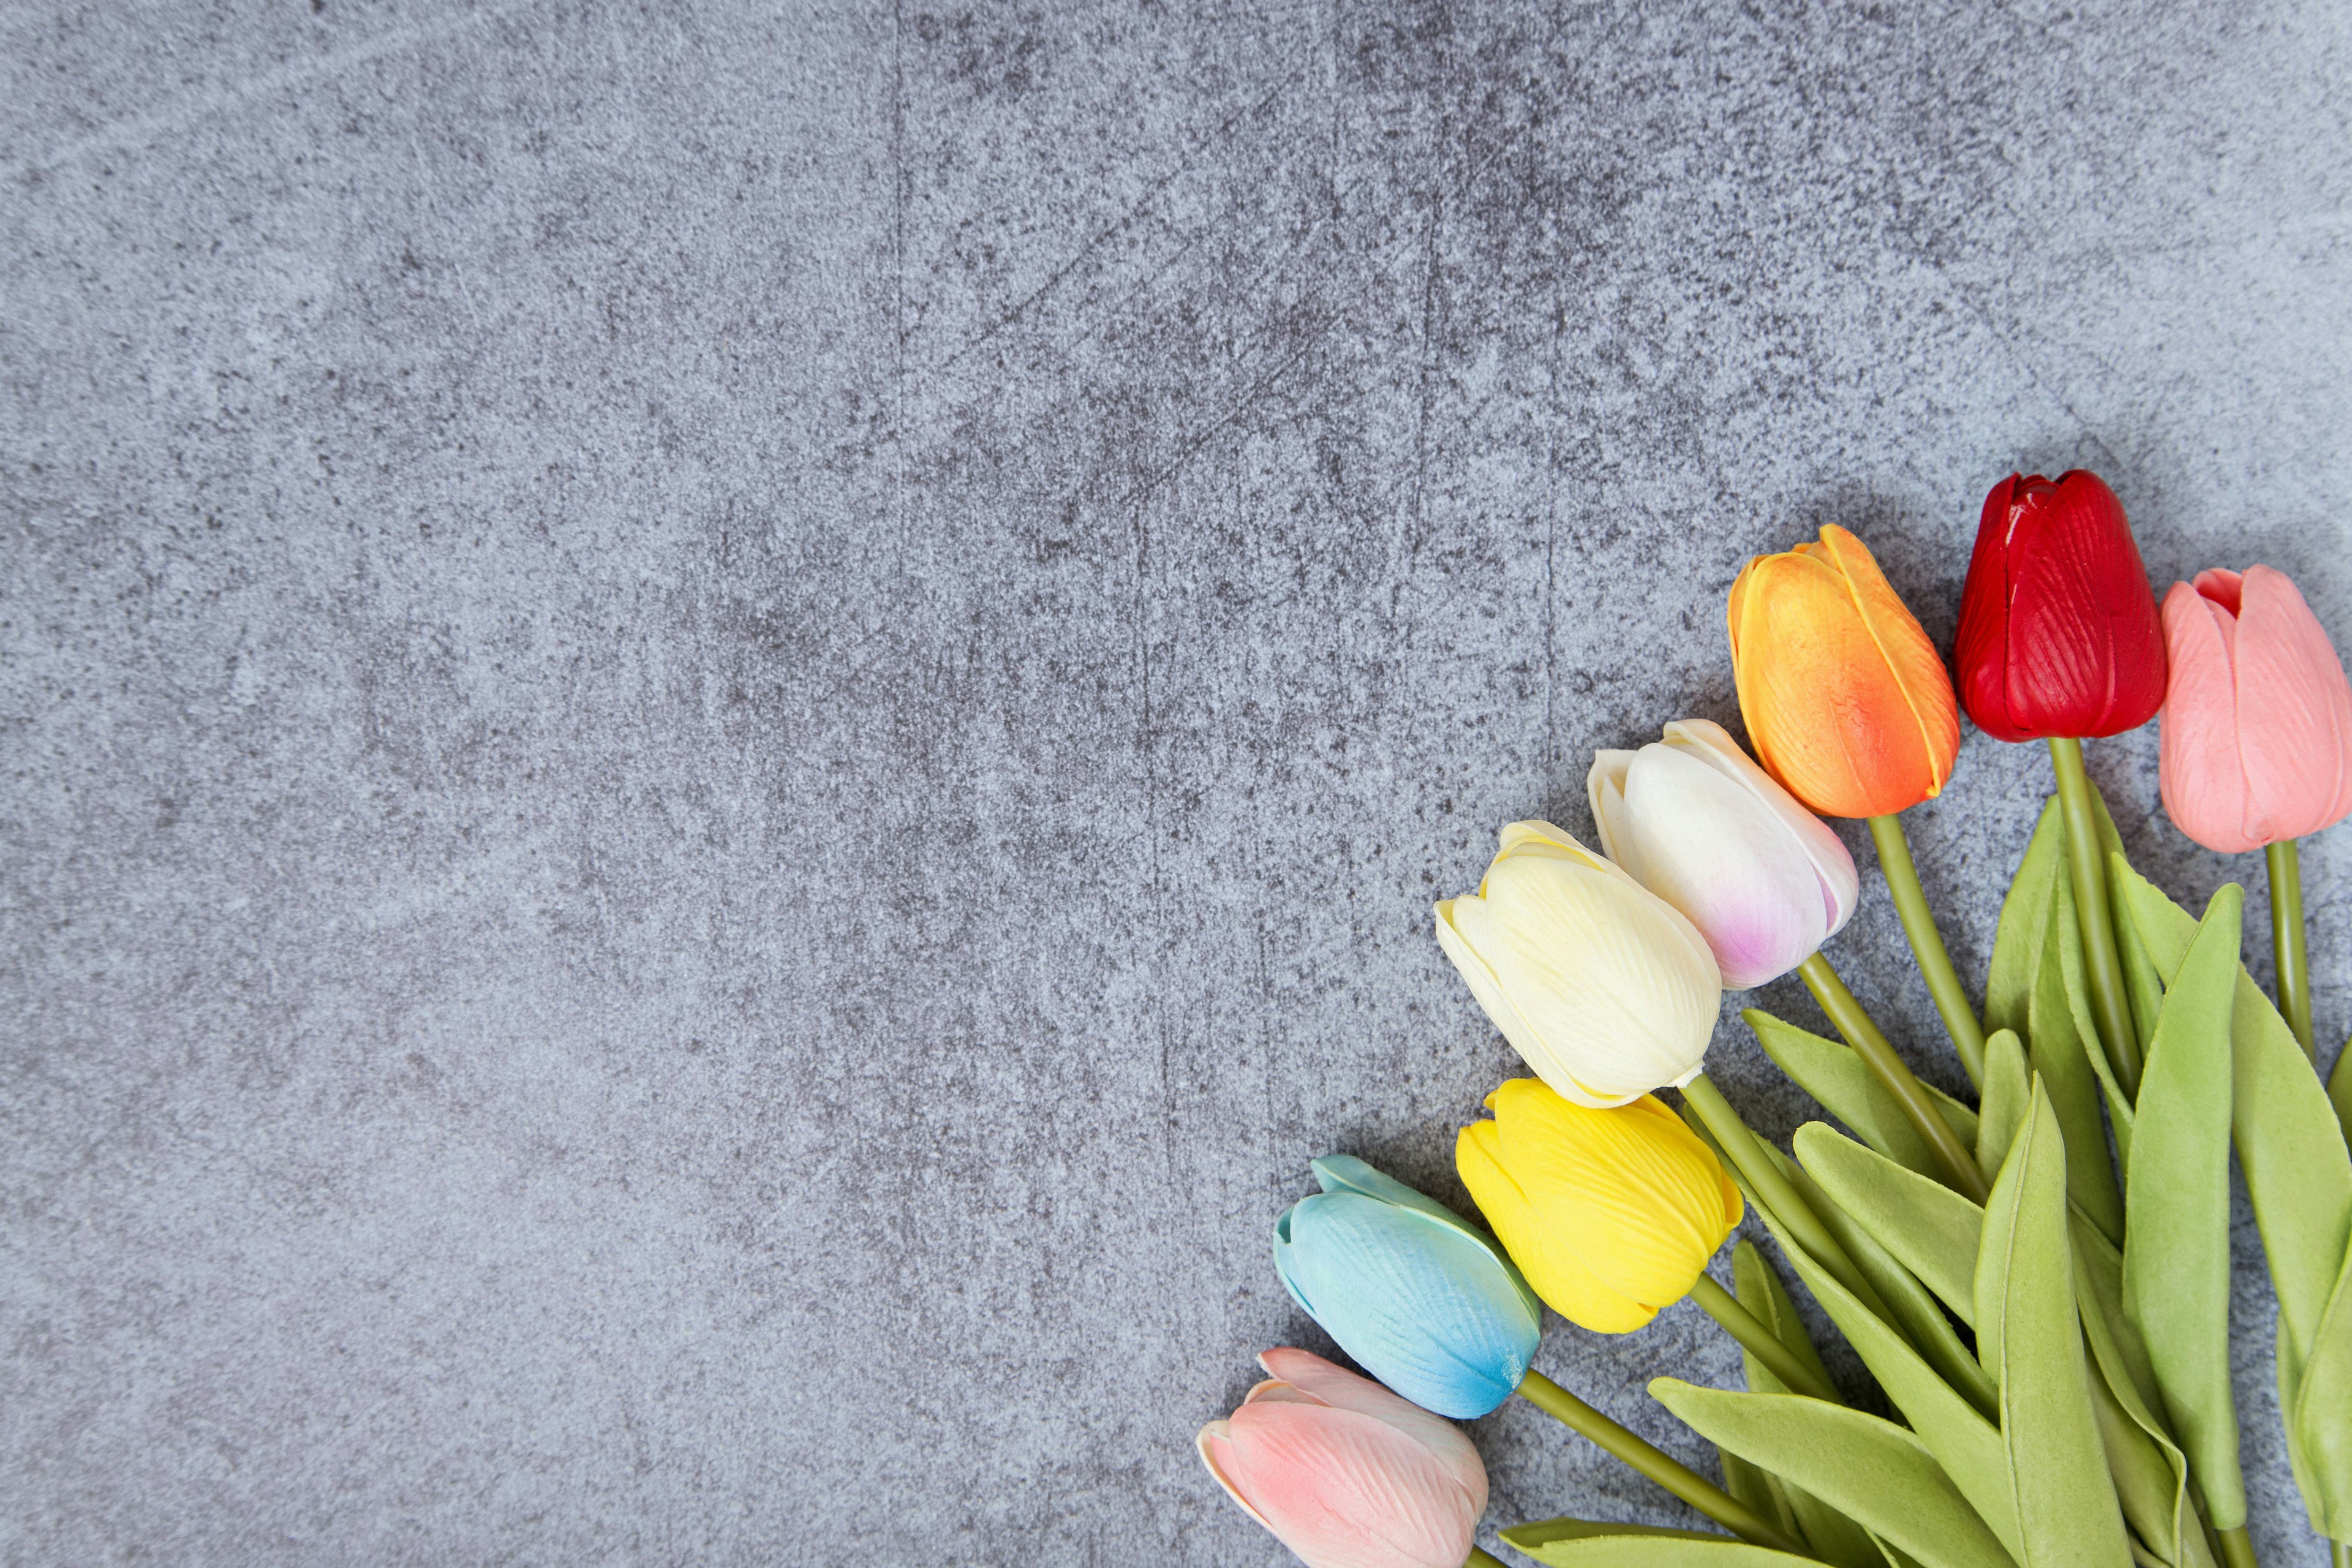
{"x": 1760, "y": 1491}
{"x": 2151, "y": 1473}
{"x": 1917, "y": 1316}
{"x": 1760, "y": 1291}
{"x": 2298, "y": 1171}
{"x": 2339, "y": 1090}
{"x": 2151, "y": 1482}
{"x": 2029, "y": 1338}
{"x": 2319, "y": 1418}
{"x": 2064, "y": 1049}
{"x": 1930, "y": 1229}
{"x": 2176, "y": 1241}
{"x": 2140, "y": 982}
{"x": 1872, "y": 1470}
{"x": 2024, "y": 926}
{"x": 1832, "y": 1074}
{"x": 1587, "y": 1543}
{"x": 2114, "y": 1342}
{"x": 1833, "y": 1537}
{"x": 1964, "y": 1442}
{"x": 2007, "y": 1091}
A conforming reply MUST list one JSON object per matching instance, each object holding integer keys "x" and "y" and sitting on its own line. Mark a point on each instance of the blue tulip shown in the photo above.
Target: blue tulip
{"x": 1421, "y": 1300}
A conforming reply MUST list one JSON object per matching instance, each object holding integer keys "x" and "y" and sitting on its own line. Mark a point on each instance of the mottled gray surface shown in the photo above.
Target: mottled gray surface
{"x": 727, "y": 729}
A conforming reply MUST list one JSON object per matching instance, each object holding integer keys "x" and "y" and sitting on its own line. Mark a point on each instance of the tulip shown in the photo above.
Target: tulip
{"x": 1435, "y": 1309}
{"x": 1421, "y": 1300}
{"x": 2058, "y": 632}
{"x": 1610, "y": 1214}
{"x": 1346, "y": 1474}
{"x": 2059, "y": 639}
{"x": 1848, "y": 705}
{"x": 1695, "y": 821}
{"x": 2257, "y": 743}
{"x": 1845, "y": 699}
{"x": 1606, "y": 989}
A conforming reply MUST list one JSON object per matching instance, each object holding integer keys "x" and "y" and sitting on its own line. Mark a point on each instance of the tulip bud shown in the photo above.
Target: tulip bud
{"x": 1695, "y": 821}
{"x": 1610, "y": 1214}
{"x": 1422, "y": 1301}
{"x": 2256, "y": 743}
{"x": 1845, "y": 699}
{"x": 2058, "y": 631}
{"x": 1604, "y": 988}
{"x": 1343, "y": 1472}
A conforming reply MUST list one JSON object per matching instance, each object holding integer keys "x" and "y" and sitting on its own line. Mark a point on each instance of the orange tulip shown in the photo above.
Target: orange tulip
{"x": 1845, "y": 698}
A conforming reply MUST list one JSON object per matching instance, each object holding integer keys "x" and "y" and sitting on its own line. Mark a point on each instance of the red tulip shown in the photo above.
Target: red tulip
{"x": 2058, "y": 633}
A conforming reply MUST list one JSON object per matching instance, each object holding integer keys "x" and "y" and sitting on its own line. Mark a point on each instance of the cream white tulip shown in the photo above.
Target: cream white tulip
{"x": 1693, "y": 820}
{"x": 1605, "y": 989}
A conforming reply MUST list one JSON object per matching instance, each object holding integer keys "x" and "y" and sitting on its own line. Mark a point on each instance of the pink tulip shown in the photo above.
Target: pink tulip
{"x": 2257, "y": 726}
{"x": 1345, "y": 1473}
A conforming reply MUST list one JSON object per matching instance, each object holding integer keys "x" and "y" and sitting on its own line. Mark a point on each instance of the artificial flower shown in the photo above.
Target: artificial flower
{"x": 1610, "y": 1215}
{"x": 1605, "y": 989}
{"x": 1421, "y": 1299}
{"x": 1343, "y": 1472}
{"x": 2058, "y": 633}
{"x": 1691, "y": 818}
{"x": 1846, "y": 701}
{"x": 2257, "y": 743}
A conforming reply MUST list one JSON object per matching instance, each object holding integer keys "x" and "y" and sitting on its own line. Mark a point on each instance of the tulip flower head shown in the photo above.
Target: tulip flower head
{"x": 2058, "y": 633}
{"x": 1421, "y": 1300}
{"x": 2256, "y": 743}
{"x": 1695, "y": 821}
{"x": 1343, "y": 1472}
{"x": 1610, "y": 1214}
{"x": 1845, "y": 699}
{"x": 1607, "y": 990}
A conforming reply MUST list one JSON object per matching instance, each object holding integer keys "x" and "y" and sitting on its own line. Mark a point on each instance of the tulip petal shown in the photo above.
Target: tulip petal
{"x": 1344, "y": 1490}
{"x": 1634, "y": 1189}
{"x": 1215, "y": 1444}
{"x": 1725, "y": 860}
{"x": 2058, "y": 633}
{"x": 1424, "y": 1307}
{"x": 2199, "y": 772}
{"x": 1845, "y": 699}
{"x": 1551, "y": 1259}
{"x": 2294, "y": 714}
{"x": 1310, "y": 1377}
{"x": 1841, "y": 884}
{"x": 1604, "y": 787}
{"x": 1465, "y": 928}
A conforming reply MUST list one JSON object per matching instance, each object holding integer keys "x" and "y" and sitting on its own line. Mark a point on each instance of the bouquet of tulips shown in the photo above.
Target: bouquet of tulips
{"x": 2038, "y": 1283}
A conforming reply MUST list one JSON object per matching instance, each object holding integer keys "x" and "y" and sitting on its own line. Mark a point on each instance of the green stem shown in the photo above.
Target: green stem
{"x": 1896, "y": 1077}
{"x": 1481, "y": 1558}
{"x": 1928, "y": 945}
{"x": 2339, "y": 1554}
{"x": 1776, "y": 1192}
{"x": 2237, "y": 1548}
{"x": 1760, "y": 1341}
{"x": 1686, "y": 1483}
{"x": 2105, "y": 967}
{"x": 2286, "y": 944}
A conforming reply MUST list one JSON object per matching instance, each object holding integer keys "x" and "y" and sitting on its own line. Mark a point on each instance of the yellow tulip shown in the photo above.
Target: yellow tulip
{"x": 1610, "y": 1214}
{"x": 1606, "y": 990}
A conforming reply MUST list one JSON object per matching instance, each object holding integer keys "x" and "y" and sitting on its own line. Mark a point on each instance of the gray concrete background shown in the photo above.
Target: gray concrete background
{"x": 727, "y": 729}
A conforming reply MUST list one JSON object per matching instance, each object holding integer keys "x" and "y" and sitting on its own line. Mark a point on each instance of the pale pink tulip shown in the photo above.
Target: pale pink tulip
{"x": 1345, "y": 1473}
{"x": 2257, "y": 724}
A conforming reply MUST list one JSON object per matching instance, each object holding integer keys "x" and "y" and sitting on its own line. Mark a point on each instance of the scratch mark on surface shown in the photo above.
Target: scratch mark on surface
{"x": 141, "y": 129}
{"x": 1126, "y": 221}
